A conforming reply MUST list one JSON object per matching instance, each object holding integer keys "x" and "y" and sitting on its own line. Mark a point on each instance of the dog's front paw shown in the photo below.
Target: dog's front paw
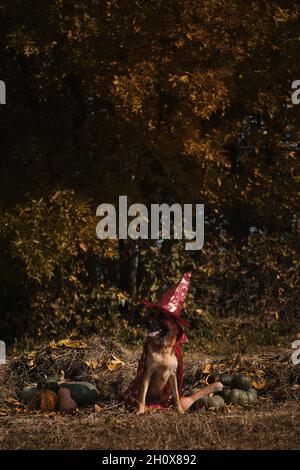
{"x": 141, "y": 410}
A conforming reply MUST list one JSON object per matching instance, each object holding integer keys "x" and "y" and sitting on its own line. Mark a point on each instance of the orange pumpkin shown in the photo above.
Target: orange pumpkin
{"x": 45, "y": 400}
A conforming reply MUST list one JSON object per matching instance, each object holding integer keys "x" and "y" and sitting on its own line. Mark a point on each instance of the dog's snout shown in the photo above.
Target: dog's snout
{"x": 153, "y": 325}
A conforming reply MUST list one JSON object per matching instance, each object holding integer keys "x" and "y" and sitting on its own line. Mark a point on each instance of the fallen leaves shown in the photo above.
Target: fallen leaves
{"x": 68, "y": 343}
{"x": 207, "y": 368}
{"x": 30, "y": 358}
{"x": 99, "y": 408}
{"x": 12, "y": 406}
{"x": 114, "y": 363}
{"x": 92, "y": 364}
{"x": 259, "y": 384}
{"x": 210, "y": 369}
{"x": 111, "y": 364}
{"x": 296, "y": 387}
{"x": 83, "y": 247}
{"x": 11, "y": 401}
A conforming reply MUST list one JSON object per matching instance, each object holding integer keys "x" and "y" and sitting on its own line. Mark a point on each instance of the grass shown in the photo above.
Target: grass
{"x": 272, "y": 423}
{"x": 266, "y": 427}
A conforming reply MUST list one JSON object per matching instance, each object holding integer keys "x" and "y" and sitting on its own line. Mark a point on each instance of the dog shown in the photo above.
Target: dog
{"x": 160, "y": 371}
{"x": 160, "y": 366}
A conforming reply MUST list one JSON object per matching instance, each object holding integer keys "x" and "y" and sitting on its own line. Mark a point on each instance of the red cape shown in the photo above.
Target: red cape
{"x": 132, "y": 393}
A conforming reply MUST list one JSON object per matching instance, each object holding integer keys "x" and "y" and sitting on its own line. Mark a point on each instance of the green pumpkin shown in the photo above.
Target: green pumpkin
{"x": 51, "y": 383}
{"x": 252, "y": 396}
{"x": 28, "y": 393}
{"x": 215, "y": 402}
{"x": 225, "y": 378}
{"x": 243, "y": 382}
{"x": 243, "y": 400}
{"x": 225, "y": 394}
{"x": 211, "y": 402}
{"x": 201, "y": 403}
{"x": 234, "y": 396}
{"x": 83, "y": 393}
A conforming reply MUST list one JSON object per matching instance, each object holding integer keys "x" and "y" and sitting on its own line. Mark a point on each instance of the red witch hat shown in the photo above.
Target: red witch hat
{"x": 172, "y": 301}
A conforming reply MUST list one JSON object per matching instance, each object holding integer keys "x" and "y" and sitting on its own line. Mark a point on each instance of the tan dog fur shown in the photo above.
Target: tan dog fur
{"x": 160, "y": 368}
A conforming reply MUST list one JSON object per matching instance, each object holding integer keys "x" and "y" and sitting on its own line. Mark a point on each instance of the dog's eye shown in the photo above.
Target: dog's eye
{"x": 164, "y": 331}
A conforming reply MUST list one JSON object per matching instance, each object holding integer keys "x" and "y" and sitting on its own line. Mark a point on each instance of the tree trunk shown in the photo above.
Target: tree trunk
{"x": 128, "y": 252}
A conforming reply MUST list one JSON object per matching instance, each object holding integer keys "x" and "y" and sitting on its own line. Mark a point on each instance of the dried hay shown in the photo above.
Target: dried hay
{"x": 274, "y": 375}
{"x": 102, "y": 362}
{"x": 109, "y": 366}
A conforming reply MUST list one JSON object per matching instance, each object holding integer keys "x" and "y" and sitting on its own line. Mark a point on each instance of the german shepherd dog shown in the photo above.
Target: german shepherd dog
{"x": 161, "y": 369}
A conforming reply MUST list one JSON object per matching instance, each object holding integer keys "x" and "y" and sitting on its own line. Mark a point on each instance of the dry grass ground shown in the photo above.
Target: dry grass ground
{"x": 273, "y": 423}
{"x": 277, "y": 427}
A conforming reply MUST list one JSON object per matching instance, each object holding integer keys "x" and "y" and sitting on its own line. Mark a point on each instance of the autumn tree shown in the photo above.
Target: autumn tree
{"x": 164, "y": 101}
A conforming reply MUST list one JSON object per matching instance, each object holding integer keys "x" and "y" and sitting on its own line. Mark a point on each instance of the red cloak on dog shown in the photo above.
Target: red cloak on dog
{"x": 170, "y": 305}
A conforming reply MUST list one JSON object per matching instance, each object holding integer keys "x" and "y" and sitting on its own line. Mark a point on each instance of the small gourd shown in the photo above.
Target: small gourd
{"x": 224, "y": 378}
{"x": 28, "y": 393}
{"x": 66, "y": 402}
{"x": 243, "y": 400}
{"x": 252, "y": 396}
{"x": 216, "y": 401}
{"x": 242, "y": 382}
{"x": 225, "y": 394}
{"x": 51, "y": 383}
{"x": 45, "y": 400}
{"x": 83, "y": 393}
{"x": 234, "y": 396}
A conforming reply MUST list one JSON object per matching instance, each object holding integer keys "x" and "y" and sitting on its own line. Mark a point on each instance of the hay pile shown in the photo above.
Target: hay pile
{"x": 102, "y": 362}
{"x": 110, "y": 367}
{"x": 274, "y": 375}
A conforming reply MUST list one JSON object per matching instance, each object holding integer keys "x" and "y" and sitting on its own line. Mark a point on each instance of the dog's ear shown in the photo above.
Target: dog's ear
{"x": 180, "y": 332}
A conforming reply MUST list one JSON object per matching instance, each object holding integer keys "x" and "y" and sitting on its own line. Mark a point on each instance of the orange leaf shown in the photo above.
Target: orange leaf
{"x": 98, "y": 408}
{"x": 207, "y": 368}
{"x": 12, "y": 401}
{"x": 92, "y": 364}
{"x": 112, "y": 365}
{"x": 69, "y": 343}
{"x": 83, "y": 247}
{"x": 259, "y": 385}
